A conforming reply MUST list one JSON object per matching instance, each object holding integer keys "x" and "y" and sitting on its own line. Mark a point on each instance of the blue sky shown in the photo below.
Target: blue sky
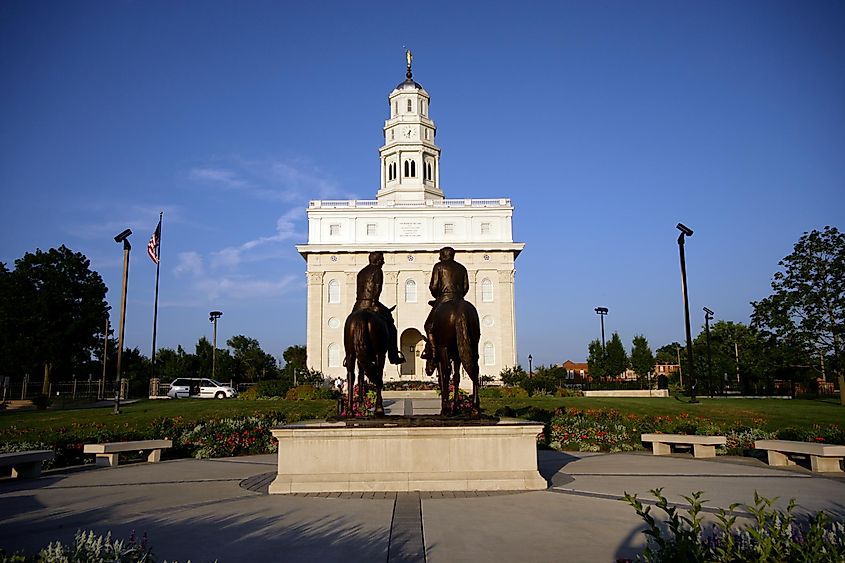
{"x": 605, "y": 122}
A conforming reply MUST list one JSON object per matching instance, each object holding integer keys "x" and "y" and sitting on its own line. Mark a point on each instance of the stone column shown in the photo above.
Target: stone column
{"x": 313, "y": 330}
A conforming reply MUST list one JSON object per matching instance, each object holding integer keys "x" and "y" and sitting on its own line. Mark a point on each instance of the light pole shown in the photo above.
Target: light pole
{"x": 124, "y": 238}
{"x": 708, "y": 315}
{"x": 680, "y": 373}
{"x": 686, "y": 232}
{"x": 212, "y": 318}
{"x": 530, "y": 366}
{"x": 602, "y": 311}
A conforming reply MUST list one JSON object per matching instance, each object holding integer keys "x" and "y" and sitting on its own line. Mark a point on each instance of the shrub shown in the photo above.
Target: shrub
{"x": 41, "y": 401}
{"x": 567, "y": 392}
{"x": 301, "y": 393}
{"x": 270, "y": 388}
{"x": 232, "y": 436}
{"x": 514, "y": 392}
{"x": 411, "y": 386}
{"x": 249, "y": 394}
{"x": 490, "y": 392}
{"x": 773, "y": 535}
{"x": 360, "y": 409}
{"x": 91, "y": 548}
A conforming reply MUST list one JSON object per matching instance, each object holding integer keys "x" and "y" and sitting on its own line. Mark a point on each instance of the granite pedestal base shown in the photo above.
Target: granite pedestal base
{"x": 324, "y": 457}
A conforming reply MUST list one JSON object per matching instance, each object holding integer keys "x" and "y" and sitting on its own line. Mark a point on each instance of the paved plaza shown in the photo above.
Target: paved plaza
{"x": 219, "y": 509}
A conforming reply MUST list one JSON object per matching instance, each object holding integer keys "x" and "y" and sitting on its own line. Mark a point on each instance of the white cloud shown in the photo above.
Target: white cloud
{"x": 142, "y": 219}
{"x": 246, "y": 288}
{"x": 190, "y": 263}
{"x": 285, "y": 230}
{"x": 274, "y": 179}
{"x": 227, "y": 178}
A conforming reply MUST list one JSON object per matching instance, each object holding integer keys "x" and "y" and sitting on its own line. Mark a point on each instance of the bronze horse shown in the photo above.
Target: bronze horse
{"x": 365, "y": 338}
{"x": 456, "y": 332}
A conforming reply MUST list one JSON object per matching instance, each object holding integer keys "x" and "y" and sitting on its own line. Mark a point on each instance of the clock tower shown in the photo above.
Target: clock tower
{"x": 410, "y": 161}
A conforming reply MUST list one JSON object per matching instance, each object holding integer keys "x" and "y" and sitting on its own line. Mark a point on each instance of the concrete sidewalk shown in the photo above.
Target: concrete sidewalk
{"x": 218, "y": 509}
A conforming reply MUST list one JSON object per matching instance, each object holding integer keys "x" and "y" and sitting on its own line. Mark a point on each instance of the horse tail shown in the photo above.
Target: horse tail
{"x": 467, "y": 334}
{"x": 359, "y": 340}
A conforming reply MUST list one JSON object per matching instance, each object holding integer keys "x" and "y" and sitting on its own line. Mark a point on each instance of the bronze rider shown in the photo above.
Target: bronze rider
{"x": 370, "y": 281}
{"x": 449, "y": 282}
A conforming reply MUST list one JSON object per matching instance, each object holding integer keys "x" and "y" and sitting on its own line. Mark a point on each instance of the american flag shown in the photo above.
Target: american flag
{"x": 153, "y": 245}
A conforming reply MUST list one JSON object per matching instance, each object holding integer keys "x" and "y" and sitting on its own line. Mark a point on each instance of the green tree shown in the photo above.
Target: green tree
{"x": 806, "y": 309}
{"x": 668, "y": 354}
{"x": 136, "y": 369}
{"x": 513, "y": 376}
{"x": 251, "y": 363}
{"x": 615, "y": 357}
{"x": 737, "y": 350}
{"x": 52, "y": 314}
{"x": 222, "y": 361}
{"x": 172, "y": 364}
{"x": 596, "y": 360}
{"x": 295, "y": 356}
{"x": 642, "y": 360}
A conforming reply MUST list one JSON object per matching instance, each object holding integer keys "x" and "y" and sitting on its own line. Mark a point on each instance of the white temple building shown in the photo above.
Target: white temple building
{"x": 409, "y": 221}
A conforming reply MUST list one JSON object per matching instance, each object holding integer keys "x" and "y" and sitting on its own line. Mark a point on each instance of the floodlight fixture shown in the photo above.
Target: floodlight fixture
{"x": 122, "y": 236}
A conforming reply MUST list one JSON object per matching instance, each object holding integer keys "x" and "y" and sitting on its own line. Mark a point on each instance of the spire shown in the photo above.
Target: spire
{"x": 409, "y": 57}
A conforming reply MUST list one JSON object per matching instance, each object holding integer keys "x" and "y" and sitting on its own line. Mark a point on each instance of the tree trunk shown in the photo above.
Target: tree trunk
{"x": 45, "y": 385}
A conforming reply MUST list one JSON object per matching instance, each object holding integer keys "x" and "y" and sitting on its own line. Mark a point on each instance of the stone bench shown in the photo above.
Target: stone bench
{"x": 823, "y": 457}
{"x": 26, "y": 464}
{"x": 702, "y": 446}
{"x": 107, "y": 454}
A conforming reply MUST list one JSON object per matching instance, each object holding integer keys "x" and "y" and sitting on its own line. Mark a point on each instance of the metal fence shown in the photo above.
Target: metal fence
{"x": 75, "y": 390}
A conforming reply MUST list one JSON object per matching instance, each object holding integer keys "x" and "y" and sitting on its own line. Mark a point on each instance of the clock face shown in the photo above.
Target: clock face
{"x": 409, "y": 133}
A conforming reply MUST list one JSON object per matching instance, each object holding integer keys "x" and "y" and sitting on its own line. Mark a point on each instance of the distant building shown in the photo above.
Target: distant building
{"x": 665, "y": 369}
{"x": 409, "y": 221}
{"x": 576, "y": 372}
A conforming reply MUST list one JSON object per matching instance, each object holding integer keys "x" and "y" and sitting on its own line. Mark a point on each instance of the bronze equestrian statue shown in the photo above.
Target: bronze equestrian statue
{"x": 369, "y": 335}
{"x": 452, "y": 331}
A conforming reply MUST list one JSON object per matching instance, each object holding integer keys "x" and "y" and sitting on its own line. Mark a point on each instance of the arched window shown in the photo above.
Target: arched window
{"x": 489, "y": 354}
{"x": 395, "y": 108}
{"x": 394, "y": 170}
{"x": 334, "y": 355}
{"x": 410, "y": 291}
{"x": 428, "y": 171}
{"x": 486, "y": 290}
{"x": 334, "y": 291}
{"x": 407, "y": 169}
{"x": 413, "y": 169}
{"x": 410, "y": 107}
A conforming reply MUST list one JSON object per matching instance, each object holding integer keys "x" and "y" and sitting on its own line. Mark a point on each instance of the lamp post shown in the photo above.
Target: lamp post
{"x": 680, "y": 372}
{"x": 708, "y": 315}
{"x": 686, "y": 232}
{"x": 212, "y": 318}
{"x": 530, "y": 366}
{"x": 124, "y": 238}
{"x": 602, "y": 311}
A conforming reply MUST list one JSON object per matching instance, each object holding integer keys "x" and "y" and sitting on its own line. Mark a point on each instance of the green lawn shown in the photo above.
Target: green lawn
{"x": 136, "y": 415}
{"x": 772, "y": 414}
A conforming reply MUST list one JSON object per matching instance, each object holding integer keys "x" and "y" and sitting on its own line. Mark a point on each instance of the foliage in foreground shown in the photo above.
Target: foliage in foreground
{"x": 772, "y": 535}
{"x": 88, "y": 547}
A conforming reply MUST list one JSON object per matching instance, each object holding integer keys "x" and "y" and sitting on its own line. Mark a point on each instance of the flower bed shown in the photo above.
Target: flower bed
{"x": 593, "y": 430}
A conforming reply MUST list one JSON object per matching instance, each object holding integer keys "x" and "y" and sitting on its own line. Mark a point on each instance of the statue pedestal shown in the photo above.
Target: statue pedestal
{"x": 324, "y": 457}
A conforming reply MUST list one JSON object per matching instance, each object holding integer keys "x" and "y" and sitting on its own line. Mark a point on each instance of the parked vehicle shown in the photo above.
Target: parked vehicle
{"x": 200, "y": 388}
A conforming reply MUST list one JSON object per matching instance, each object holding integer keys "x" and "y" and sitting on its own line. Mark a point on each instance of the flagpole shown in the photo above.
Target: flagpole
{"x": 155, "y": 309}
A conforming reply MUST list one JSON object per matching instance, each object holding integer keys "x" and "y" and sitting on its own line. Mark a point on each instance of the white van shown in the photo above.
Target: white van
{"x": 201, "y": 388}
